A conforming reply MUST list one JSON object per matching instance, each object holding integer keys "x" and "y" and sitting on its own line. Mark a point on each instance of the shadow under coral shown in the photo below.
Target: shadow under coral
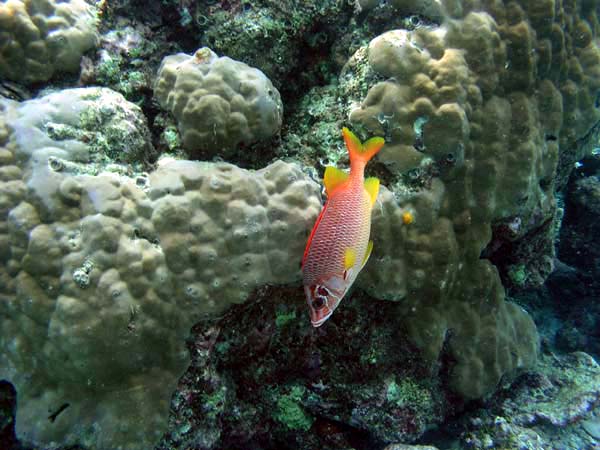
{"x": 263, "y": 378}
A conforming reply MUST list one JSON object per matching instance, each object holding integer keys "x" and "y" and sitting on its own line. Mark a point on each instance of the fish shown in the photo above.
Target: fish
{"x": 339, "y": 244}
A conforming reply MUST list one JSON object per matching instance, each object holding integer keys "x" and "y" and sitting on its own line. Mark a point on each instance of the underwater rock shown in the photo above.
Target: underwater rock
{"x": 580, "y": 222}
{"x": 261, "y": 377}
{"x": 592, "y": 427}
{"x": 543, "y": 408}
{"x": 409, "y": 447}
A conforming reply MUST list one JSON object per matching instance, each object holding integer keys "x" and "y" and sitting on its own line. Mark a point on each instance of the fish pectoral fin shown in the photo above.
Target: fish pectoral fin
{"x": 349, "y": 258}
{"x": 333, "y": 178}
{"x": 367, "y": 254}
{"x": 372, "y": 187}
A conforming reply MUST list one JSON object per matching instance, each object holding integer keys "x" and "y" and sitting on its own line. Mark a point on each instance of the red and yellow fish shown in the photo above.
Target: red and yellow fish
{"x": 338, "y": 246}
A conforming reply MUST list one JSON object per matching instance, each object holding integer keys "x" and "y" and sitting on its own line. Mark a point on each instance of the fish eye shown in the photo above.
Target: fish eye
{"x": 322, "y": 291}
{"x": 318, "y": 303}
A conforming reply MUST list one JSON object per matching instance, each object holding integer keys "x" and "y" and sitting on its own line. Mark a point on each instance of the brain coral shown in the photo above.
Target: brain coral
{"x": 219, "y": 103}
{"x": 103, "y": 270}
{"x": 477, "y": 113}
{"x": 39, "y": 38}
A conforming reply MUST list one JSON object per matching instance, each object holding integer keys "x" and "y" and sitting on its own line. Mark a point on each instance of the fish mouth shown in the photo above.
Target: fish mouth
{"x": 317, "y": 323}
{"x": 318, "y": 318}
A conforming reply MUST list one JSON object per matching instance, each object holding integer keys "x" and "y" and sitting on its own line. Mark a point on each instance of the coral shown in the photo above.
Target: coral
{"x": 518, "y": 274}
{"x": 106, "y": 260}
{"x": 485, "y": 104}
{"x": 126, "y": 59}
{"x": 104, "y": 268}
{"x": 219, "y": 103}
{"x": 316, "y": 130}
{"x": 40, "y": 38}
{"x": 408, "y": 393}
{"x": 113, "y": 129}
{"x": 296, "y": 34}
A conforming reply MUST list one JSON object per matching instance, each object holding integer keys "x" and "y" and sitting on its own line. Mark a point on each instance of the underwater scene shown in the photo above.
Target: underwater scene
{"x": 303, "y": 225}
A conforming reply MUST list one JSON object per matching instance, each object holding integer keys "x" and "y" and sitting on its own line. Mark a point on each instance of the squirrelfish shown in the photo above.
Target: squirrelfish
{"x": 338, "y": 246}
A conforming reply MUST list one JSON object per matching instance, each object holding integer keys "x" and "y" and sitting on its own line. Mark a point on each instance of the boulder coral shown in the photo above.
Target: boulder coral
{"x": 108, "y": 256}
{"x": 219, "y": 103}
{"x": 104, "y": 270}
{"x": 40, "y": 38}
{"x": 479, "y": 111}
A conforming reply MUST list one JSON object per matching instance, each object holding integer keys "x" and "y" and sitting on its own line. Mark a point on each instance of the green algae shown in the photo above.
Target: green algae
{"x": 214, "y": 404}
{"x": 517, "y": 274}
{"x": 409, "y": 393}
{"x": 283, "y": 318}
{"x": 289, "y": 410}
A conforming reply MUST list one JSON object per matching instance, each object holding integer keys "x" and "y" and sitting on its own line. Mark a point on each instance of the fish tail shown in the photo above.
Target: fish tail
{"x": 358, "y": 151}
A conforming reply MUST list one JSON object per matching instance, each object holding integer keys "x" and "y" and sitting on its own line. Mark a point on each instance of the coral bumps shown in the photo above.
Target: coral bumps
{"x": 478, "y": 114}
{"x": 219, "y": 103}
{"x": 105, "y": 268}
{"x": 39, "y": 38}
{"x": 106, "y": 260}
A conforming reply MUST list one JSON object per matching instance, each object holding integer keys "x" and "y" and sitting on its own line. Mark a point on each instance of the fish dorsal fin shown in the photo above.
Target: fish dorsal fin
{"x": 349, "y": 258}
{"x": 367, "y": 254}
{"x": 372, "y": 187}
{"x": 333, "y": 178}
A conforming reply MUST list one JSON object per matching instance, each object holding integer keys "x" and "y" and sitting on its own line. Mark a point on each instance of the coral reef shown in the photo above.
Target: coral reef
{"x": 549, "y": 408}
{"x": 40, "y": 38}
{"x": 105, "y": 269}
{"x": 473, "y": 99}
{"x": 296, "y": 34}
{"x": 484, "y": 116}
{"x": 122, "y": 61}
{"x": 220, "y": 104}
{"x": 110, "y": 253}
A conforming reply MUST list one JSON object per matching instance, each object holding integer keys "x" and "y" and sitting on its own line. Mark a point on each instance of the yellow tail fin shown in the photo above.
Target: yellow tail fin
{"x": 359, "y": 151}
